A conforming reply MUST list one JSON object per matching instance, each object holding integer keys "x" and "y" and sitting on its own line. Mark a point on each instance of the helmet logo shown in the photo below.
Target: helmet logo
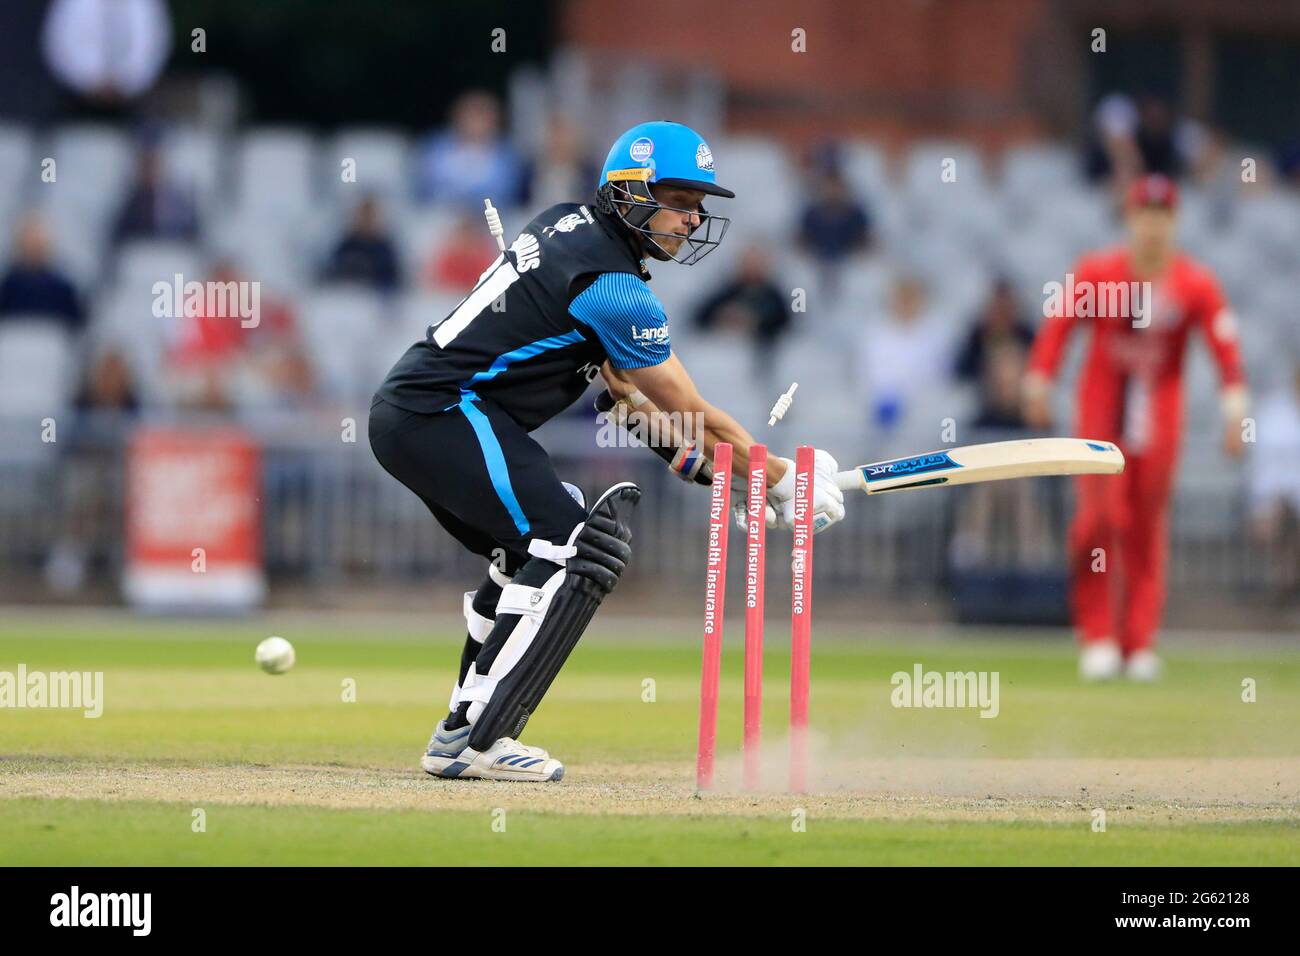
{"x": 704, "y": 157}
{"x": 641, "y": 149}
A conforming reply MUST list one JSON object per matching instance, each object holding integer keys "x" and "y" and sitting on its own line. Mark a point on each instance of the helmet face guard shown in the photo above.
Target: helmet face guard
{"x": 631, "y": 200}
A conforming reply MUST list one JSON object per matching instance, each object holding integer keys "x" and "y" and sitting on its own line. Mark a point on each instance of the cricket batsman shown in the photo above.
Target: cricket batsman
{"x": 1131, "y": 392}
{"x": 568, "y": 301}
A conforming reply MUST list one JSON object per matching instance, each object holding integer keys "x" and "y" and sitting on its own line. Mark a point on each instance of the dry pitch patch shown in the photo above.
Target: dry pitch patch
{"x": 1166, "y": 791}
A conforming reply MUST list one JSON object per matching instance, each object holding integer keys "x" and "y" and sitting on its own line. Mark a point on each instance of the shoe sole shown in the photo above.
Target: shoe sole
{"x": 456, "y": 771}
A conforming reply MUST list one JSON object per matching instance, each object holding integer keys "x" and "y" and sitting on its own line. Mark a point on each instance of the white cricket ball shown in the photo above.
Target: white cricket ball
{"x": 275, "y": 655}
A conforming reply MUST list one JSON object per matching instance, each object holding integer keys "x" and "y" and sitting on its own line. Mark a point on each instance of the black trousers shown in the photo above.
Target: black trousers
{"x": 489, "y": 484}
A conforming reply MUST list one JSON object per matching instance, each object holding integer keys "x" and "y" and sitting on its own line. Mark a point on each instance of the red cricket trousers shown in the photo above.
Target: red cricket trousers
{"x": 1119, "y": 550}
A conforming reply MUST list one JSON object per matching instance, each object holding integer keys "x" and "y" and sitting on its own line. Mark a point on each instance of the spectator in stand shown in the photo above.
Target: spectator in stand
{"x": 107, "y": 53}
{"x": 470, "y": 160}
{"x": 1002, "y": 526}
{"x": 902, "y": 357}
{"x": 88, "y": 482}
{"x": 1001, "y": 376}
{"x": 752, "y": 303}
{"x": 280, "y": 374}
{"x": 462, "y": 257}
{"x": 365, "y": 254}
{"x": 1133, "y": 139}
{"x": 1288, "y": 163}
{"x": 33, "y": 285}
{"x": 1160, "y": 142}
{"x": 833, "y": 224}
{"x": 564, "y": 171}
{"x": 999, "y": 322}
{"x": 155, "y": 207}
{"x": 1112, "y": 153}
{"x": 215, "y": 363}
{"x": 108, "y": 385}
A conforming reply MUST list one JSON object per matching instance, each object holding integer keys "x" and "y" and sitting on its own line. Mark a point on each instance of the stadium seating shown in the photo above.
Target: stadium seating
{"x": 38, "y": 366}
{"x": 93, "y": 165}
{"x": 382, "y": 159}
{"x": 192, "y": 157}
{"x": 277, "y": 172}
{"x": 340, "y": 323}
{"x": 278, "y": 206}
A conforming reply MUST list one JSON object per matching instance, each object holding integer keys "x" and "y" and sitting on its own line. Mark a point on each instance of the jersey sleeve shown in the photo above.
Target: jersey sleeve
{"x": 1054, "y": 333}
{"x": 1219, "y": 325}
{"x": 627, "y": 318}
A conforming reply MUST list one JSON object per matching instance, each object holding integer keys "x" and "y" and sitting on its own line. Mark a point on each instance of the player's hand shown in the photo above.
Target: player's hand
{"x": 1038, "y": 411}
{"x": 828, "y": 500}
{"x": 1233, "y": 444}
{"x": 741, "y": 511}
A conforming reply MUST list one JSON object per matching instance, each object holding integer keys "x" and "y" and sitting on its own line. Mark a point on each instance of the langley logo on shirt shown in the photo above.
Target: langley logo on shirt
{"x": 650, "y": 335}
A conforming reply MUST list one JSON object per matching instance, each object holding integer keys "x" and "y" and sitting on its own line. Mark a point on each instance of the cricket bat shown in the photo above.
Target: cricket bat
{"x": 991, "y": 462}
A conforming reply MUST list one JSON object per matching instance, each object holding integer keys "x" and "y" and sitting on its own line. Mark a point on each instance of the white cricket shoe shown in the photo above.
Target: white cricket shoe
{"x": 1144, "y": 667}
{"x": 507, "y": 759}
{"x": 449, "y": 744}
{"x": 1100, "y": 660}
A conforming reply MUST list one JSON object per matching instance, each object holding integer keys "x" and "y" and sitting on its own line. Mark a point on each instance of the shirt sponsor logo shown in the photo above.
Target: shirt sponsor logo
{"x": 528, "y": 252}
{"x": 651, "y": 335}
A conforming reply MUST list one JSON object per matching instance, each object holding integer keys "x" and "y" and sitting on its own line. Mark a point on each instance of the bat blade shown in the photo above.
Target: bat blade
{"x": 1025, "y": 458}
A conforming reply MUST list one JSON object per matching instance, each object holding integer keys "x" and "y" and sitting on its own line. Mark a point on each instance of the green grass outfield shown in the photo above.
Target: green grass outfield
{"x": 286, "y": 771}
{"x": 44, "y": 833}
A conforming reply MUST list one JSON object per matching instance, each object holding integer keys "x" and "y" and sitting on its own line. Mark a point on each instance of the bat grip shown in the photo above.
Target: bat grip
{"x": 848, "y": 480}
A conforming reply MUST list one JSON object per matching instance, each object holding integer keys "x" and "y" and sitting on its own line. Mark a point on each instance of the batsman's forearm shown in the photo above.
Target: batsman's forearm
{"x": 668, "y": 388}
{"x": 721, "y": 427}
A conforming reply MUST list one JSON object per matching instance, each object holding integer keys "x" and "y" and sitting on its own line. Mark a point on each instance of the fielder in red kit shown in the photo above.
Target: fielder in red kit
{"x": 1140, "y": 302}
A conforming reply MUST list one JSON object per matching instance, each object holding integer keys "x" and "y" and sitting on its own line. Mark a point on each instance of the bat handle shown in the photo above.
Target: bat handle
{"x": 850, "y": 480}
{"x": 494, "y": 223}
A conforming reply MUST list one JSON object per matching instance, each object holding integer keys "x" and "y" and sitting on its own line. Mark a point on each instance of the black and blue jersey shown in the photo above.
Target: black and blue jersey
{"x": 569, "y": 293}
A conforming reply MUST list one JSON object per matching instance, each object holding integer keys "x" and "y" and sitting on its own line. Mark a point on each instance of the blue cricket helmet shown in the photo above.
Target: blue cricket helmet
{"x": 667, "y": 154}
{"x": 675, "y": 155}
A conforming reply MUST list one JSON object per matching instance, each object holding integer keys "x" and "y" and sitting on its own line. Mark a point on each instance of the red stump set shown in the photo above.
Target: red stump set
{"x": 714, "y": 608}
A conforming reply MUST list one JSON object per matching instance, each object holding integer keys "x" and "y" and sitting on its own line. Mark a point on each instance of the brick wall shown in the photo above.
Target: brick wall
{"x": 894, "y": 69}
